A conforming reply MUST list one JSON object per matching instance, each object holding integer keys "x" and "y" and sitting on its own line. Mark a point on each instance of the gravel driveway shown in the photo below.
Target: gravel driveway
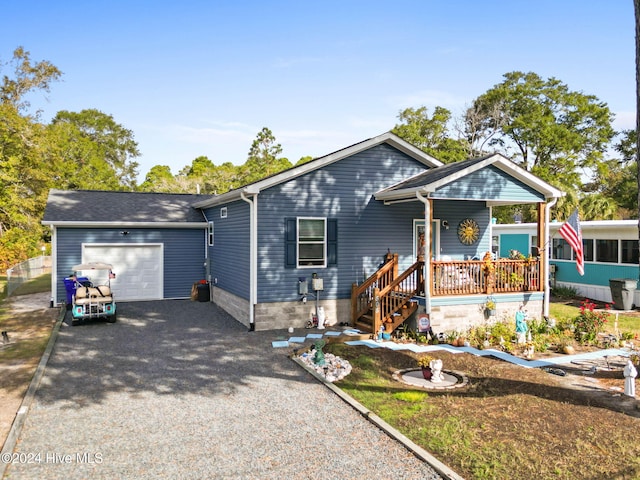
{"x": 178, "y": 389}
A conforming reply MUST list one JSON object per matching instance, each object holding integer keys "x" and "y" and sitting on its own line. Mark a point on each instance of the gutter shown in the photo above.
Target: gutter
{"x": 253, "y": 256}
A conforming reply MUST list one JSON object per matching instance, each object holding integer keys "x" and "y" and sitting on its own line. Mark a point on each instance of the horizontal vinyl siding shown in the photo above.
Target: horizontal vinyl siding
{"x": 594, "y": 273}
{"x": 366, "y": 228}
{"x": 183, "y": 254}
{"x": 454, "y": 212}
{"x": 514, "y": 241}
{"x": 489, "y": 183}
{"x": 230, "y": 253}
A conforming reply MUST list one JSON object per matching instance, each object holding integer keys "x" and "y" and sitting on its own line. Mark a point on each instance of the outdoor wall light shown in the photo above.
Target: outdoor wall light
{"x": 445, "y": 224}
{"x": 124, "y": 232}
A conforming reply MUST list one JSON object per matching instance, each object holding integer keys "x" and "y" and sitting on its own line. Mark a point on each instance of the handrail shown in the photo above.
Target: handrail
{"x": 397, "y": 294}
{"x": 473, "y": 277}
{"x": 362, "y": 295}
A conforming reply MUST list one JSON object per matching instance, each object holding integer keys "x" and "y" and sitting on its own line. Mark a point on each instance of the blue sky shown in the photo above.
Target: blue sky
{"x": 197, "y": 78}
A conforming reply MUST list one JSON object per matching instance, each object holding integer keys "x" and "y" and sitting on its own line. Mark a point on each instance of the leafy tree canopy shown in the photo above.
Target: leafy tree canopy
{"x": 431, "y": 135}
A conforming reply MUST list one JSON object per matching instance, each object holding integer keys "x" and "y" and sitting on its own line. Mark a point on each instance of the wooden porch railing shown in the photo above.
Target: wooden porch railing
{"x": 472, "y": 277}
{"x": 385, "y": 297}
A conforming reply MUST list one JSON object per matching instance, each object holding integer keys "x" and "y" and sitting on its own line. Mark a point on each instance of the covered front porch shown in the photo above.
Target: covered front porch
{"x": 457, "y": 272}
{"x": 389, "y": 297}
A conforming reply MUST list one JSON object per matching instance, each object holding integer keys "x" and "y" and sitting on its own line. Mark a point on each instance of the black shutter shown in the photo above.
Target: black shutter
{"x": 290, "y": 237}
{"x": 332, "y": 241}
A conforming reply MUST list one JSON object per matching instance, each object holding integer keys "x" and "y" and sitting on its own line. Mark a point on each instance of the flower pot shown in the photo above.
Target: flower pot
{"x": 426, "y": 373}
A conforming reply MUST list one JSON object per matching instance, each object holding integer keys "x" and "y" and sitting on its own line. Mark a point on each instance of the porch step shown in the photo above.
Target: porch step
{"x": 365, "y": 322}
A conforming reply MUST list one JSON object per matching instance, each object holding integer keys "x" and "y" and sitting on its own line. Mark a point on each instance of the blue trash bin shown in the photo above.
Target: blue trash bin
{"x": 70, "y": 287}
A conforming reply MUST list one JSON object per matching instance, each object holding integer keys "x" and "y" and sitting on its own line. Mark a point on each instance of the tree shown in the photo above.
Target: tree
{"x": 636, "y": 5}
{"x": 616, "y": 180}
{"x": 157, "y": 179}
{"x": 543, "y": 126}
{"x": 431, "y": 135}
{"x": 263, "y": 158}
{"x": 26, "y": 78}
{"x": 112, "y": 143}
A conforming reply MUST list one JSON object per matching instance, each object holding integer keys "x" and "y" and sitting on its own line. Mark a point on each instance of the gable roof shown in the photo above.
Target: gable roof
{"x": 431, "y": 180}
{"x": 320, "y": 162}
{"x": 104, "y": 208}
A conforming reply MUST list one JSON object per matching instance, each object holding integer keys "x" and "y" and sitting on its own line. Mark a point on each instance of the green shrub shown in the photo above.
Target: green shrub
{"x": 564, "y": 292}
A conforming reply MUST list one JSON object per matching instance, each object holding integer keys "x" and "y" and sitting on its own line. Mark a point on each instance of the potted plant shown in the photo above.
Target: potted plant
{"x": 489, "y": 270}
{"x": 490, "y": 307}
{"x": 424, "y": 362}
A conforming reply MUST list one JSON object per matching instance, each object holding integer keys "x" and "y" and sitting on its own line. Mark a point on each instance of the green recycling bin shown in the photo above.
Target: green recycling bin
{"x": 622, "y": 292}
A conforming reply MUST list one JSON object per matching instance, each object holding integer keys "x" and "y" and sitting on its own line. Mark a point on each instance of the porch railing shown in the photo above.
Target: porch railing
{"x": 475, "y": 276}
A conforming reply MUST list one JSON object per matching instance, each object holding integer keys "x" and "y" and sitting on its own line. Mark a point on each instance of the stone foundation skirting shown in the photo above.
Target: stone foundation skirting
{"x": 235, "y": 306}
{"x": 459, "y": 318}
{"x": 279, "y": 315}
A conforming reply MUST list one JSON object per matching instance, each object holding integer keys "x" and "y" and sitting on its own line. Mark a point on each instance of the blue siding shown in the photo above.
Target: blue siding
{"x": 454, "y": 212}
{"x": 366, "y": 227}
{"x": 489, "y": 183}
{"x": 183, "y": 254}
{"x": 230, "y": 253}
{"x": 594, "y": 273}
{"x": 514, "y": 241}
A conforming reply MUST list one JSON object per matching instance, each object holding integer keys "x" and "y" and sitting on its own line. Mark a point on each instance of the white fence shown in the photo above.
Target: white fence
{"x": 20, "y": 273}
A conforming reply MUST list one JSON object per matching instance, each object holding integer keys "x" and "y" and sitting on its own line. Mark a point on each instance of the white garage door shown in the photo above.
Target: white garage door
{"x": 138, "y": 269}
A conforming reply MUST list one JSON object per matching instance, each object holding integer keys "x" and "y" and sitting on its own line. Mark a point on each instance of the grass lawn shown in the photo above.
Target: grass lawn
{"x": 510, "y": 422}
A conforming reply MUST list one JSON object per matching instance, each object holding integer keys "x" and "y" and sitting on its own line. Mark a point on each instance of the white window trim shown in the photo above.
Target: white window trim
{"x": 324, "y": 243}
{"x": 223, "y": 212}
{"x": 210, "y": 234}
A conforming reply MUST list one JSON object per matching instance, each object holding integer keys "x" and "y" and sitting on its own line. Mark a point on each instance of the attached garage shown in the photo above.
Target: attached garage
{"x": 156, "y": 242}
{"x": 138, "y": 267}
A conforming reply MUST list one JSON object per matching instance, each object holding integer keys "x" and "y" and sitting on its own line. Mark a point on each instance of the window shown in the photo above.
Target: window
{"x": 630, "y": 251}
{"x": 223, "y": 212}
{"x": 210, "y": 234}
{"x": 312, "y": 234}
{"x": 587, "y": 249}
{"x": 607, "y": 251}
{"x": 561, "y": 249}
{"x": 311, "y": 242}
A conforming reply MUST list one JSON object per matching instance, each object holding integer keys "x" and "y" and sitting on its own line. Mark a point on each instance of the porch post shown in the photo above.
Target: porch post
{"x": 545, "y": 253}
{"x": 427, "y": 250}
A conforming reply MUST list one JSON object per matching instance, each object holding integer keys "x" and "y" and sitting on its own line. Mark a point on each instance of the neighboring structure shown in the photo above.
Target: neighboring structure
{"x": 330, "y": 224}
{"x": 610, "y": 252}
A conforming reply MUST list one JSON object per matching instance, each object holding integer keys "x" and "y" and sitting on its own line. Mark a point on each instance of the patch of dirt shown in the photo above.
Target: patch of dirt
{"x": 28, "y": 321}
{"x": 529, "y": 412}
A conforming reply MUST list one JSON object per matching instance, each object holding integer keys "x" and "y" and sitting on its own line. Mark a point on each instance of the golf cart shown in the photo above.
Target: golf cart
{"x": 93, "y": 300}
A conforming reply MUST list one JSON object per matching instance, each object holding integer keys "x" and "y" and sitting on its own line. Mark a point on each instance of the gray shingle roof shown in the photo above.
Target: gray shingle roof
{"x": 435, "y": 174}
{"x": 122, "y": 207}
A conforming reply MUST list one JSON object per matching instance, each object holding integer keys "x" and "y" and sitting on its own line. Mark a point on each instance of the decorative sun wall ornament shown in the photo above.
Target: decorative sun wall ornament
{"x": 468, "y": 231}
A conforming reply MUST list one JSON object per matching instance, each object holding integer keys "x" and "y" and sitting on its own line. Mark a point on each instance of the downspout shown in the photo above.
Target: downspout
{"x": 427, "y": 250}
{"x": 253, "y": 257}
{"x": 547, "y": 288}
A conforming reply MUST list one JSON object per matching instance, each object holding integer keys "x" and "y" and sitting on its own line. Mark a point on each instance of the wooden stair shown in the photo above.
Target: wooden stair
{"x": 392, "y": 294}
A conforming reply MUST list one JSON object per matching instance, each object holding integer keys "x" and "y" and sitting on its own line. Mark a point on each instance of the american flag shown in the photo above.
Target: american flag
{"x": 570, "y": 231}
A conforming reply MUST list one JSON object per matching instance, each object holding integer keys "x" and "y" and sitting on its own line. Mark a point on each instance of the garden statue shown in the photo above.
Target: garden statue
{"x": 436, "y": 370}
{"x": 318, "y": 358}
{"x": 630, "y": 373}
{"x": 521, "y": 325}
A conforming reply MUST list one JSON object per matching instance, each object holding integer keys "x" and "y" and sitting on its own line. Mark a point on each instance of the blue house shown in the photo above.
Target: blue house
{"x": 372, "y": 233}
{"x": 359, "y": 222}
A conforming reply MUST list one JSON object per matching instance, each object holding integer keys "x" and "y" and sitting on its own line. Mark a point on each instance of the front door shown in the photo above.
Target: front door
{"x": 419, "y": 237}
